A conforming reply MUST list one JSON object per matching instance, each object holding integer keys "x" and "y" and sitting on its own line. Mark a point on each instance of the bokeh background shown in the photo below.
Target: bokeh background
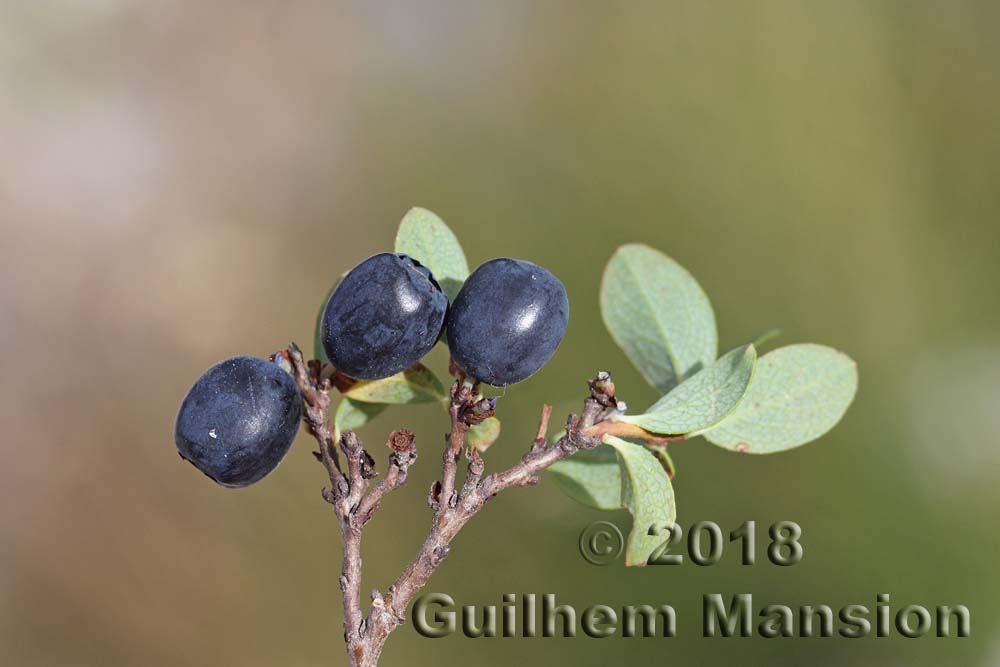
{"x": 182, "y": 181}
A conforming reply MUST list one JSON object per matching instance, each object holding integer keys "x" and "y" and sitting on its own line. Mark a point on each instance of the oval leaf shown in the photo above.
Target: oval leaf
{"x": 423, "y": 236}
{"x": 798, "y": 393}
{"x": 702, "y": 400}
{"x": 648, "y": 496}
{"x": 484, "y": 434}
{"x": 591, "y": 477}
{"x": 658, "y": 314}
{"x": 416, "y": 384}
{"x": 352, "y": 415}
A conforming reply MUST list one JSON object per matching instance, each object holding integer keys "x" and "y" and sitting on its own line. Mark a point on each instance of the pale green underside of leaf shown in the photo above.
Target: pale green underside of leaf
{"x": 352, "y": 415}
{"x": 591, "y": 477}
{"x": 765, "y": 338}
{"x": 426, "y": 238}
{"x": 658, "y": 314}
{"x": 665, "y": 460}
{"x": 417, "y": 384}
{"x": 484, "y": 434}
{"x": 702, "y": 400}
{"x": 649, "y": 497}
{"x": 798, "y": 393}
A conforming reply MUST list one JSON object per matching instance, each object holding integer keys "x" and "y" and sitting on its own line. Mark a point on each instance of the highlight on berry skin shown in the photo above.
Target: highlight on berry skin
{"x": 384, "y": 316}
{"x": 507, "y": 321}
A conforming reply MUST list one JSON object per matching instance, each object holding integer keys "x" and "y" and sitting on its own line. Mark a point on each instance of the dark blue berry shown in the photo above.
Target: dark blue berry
{"x": 507, "y": 321}
{"x": 384, "y": 316}
{"x": 238, "y": 420}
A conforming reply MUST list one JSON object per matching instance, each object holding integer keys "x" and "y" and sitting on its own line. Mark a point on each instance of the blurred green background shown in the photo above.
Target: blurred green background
{"x": 181, "y": 182}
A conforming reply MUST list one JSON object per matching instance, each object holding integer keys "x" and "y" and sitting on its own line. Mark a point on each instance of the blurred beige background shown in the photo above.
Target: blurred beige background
{"x": 180, "y": 182}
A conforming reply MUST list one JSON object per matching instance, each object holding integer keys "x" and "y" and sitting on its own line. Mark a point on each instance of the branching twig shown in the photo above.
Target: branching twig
{"x": 543, "y": 429}
{"x": 354, "y": 502}
{"x": 461, "y": 395}
{"x": 316, "y": 415}
{"x": 403, "y": 455}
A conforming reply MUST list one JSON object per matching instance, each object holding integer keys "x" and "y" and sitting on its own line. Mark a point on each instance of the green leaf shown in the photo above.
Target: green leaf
{"x": 484, "y": 434}
{"x": 591, "y": 477}
{"x": 352, "y": 415}
{"x": 665, "y": 459}
{"x": 416, "y": 384}
{"x": 423, "y": 236}
{"x": 702, "y": 400}
{"x": 658, "y": 314}
{"x": 798, "y": 393}
{"x": 766, "y": 337}
{"x": 648, "y": 496}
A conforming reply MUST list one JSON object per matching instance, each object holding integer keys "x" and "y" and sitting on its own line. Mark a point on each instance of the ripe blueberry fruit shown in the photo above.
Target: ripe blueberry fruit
{"x": 507, "y": 321}
{"x": 238, "y": 420}
{"x": 384, "y": 316}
